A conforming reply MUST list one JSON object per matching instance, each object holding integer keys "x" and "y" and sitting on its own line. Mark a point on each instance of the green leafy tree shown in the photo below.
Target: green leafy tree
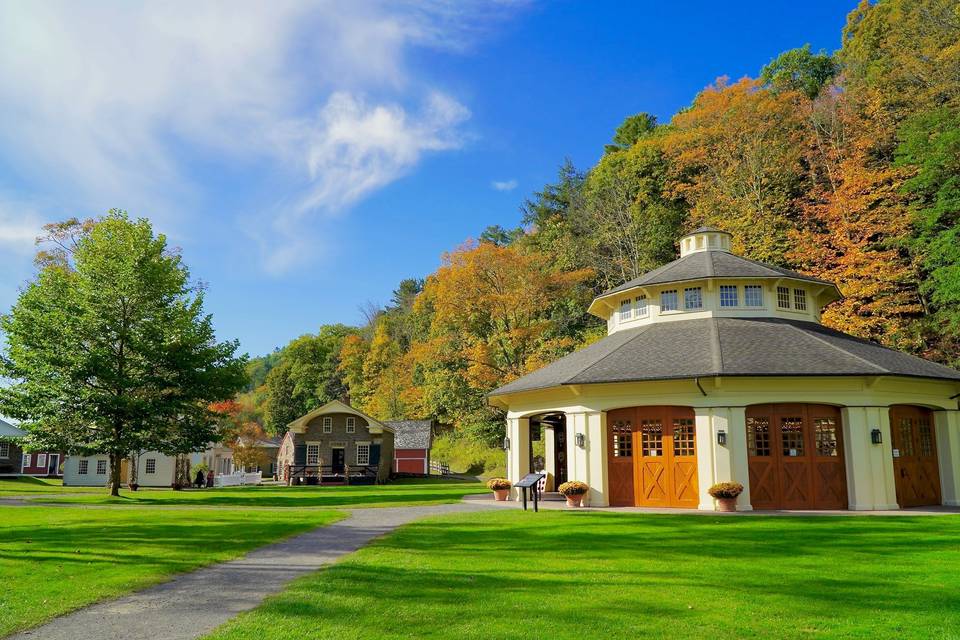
{"x": 631, "y": 130}
{"x": 800, "y": 70}
{"x": 109, "y": 349}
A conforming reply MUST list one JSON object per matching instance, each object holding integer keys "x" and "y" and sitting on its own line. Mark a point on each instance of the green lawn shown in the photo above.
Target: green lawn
{"x": 397, "y": 493}
{"x": 53, "y": 560}
{"x": 28, "y": 484}
{"x": 552, "y": 575}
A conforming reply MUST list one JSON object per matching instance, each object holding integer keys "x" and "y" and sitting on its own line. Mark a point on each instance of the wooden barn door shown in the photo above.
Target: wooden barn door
{"x": 795, "y": 456}
{"x": 620, "y": 451}
{"x": 915, "y": 468}
{"x": 666, "y": 461}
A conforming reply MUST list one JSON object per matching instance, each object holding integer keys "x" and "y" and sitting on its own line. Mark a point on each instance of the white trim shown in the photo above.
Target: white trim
{"x": 102, "y": 463}
{"x": 83, "y": 467}
{"x": 25, "y": 460}
{"x": 351, "y": 424}
{"x": 357, "y": 453}
{"x": 306, "y": 458}
{"x": 4, "y": 450}
{"x": 327, "y": 424}
{"x": 41, "y": 460}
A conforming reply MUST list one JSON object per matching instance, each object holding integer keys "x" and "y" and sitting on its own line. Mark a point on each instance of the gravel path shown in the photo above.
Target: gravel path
{"x": 193, "y": 604}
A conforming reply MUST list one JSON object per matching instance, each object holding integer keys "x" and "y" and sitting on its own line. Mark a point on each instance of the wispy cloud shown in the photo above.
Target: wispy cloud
{"x": 504, "y": 185}
{"x": 104, "y": 100}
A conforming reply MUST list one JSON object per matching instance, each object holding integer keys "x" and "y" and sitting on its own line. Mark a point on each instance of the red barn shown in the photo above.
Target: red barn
{"x": 15, "y": 461}
{"x": 412, "y": 440}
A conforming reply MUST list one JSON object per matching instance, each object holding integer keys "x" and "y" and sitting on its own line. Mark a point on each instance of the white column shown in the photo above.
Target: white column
{"x": 576, "y": 457}
{"x": 518, "y": 455}
{"x": 737, "y": 452}
{"x": 596, "y": 456}
{"x": 706, "y": 456}
{"x": 948, "y": 450}
{"x": 869, "y": 466}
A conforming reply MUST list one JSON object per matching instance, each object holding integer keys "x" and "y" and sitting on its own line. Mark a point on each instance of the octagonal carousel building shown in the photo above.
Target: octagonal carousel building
{"x": 717, "y": 368}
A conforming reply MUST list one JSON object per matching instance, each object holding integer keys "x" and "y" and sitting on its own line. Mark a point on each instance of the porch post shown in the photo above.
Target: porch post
{"x": 947, "y": 425}
{"x": 706, "y": 454}
{"x": 595, "y": 444}
{"x": 518, "y": 454}
{"x": 737, "y": 452}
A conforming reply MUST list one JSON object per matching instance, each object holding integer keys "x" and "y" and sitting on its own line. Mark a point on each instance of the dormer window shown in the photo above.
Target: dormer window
{"x": 625, "y": 310}
{"x": 783, "y": 297}
{"x": 729, "y": 296}
{"x": 640, "y": 303}
{"x": 669, "y": 300}
{"x": 800, "y": 299}
{"x": 753, "y": 295}
{"x": 693, "y": 298}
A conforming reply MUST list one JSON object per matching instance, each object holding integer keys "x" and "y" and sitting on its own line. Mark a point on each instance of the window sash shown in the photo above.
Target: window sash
{"x": 351, "y": 425}
{"x": 693, "y": 298}
{"x": 328, "y": 425}
{"x": 625, "y": 310}
{"x": 4, "y": 449}
{"x": 800, "y": 299}
{"x": 363, "y": 454}
{"x": 753, "y": 295}
{"x": 669, "y": 300}
{"x": 41, "y": 460}
{"x": 313, "y": 454}
{"x": 640, "y": 302}
{"x": 783, "y": 297}
{"x": 150, "y": 466}
{"x": 83, "y": 467}
{"x": 101, "y": 467}
{"x": 729, "y": 296}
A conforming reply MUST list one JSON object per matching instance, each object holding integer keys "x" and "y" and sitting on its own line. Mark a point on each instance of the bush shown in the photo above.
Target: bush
{"x": 498, "y": 484}
{"x": 726, "y": 490}
{"x": 573, "y": 488}
{"x": 467, "y": 456}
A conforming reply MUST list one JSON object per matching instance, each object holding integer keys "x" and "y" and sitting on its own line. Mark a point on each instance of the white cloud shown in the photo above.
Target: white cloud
{"x": 504, "y": 185}
{"x": 104, "y": 100}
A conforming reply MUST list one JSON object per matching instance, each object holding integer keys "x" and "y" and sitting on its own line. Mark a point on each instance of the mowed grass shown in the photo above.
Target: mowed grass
{"x": 54, "y": 560}
{"x": 28, "y": 485}
{"x": 554, "y": 575}
{"x": 397, "y": 493}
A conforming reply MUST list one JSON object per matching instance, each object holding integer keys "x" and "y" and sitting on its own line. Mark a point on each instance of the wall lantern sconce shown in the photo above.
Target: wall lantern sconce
{"x": 876, "y": 437}
{"x": 722, "y": 437}
{"x": 580, "y": 440}
{"x": 506, "y": 444}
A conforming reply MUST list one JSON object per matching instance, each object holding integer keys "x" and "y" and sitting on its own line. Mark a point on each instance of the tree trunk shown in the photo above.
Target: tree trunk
{"x": 115, "y": 460}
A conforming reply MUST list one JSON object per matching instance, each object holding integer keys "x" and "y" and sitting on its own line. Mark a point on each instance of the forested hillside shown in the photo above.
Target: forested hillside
{"x": 845, "y": 166}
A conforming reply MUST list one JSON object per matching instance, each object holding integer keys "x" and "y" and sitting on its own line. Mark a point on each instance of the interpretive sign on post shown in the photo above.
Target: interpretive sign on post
{"x": 530, "y": 481}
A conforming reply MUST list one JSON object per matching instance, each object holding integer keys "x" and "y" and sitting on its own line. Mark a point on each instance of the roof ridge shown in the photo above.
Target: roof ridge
{"x": 716, "y": 350}
{"x": 835, "y": 347}
{"x": 639, "y": 332}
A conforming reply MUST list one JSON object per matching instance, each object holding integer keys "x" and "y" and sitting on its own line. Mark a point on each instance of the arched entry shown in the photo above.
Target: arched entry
{"x": 915, "y": 469}
{"x": 795, "y": 456}
{"x": 551, "y": 428}
{"x": 652, "y": 457}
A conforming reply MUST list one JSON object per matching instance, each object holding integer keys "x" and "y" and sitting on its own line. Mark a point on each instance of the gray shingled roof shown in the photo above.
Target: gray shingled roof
{"x": 411, "y": 434}
{"x": 9, "y": 431}
{"x": 726, "y": 347}
{"x": 711, "y": 264}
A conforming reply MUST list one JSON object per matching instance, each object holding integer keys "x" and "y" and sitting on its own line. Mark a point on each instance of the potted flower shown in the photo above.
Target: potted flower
{"x": 573, "y": 491}
{"x": 500, "y": 488}
{"x": 726, "y": 494}
{"x": 133, "y": 486}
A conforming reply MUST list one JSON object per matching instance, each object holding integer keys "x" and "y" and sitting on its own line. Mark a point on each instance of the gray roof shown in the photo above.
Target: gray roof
{"x": 706, "y": 230}
{"x": 711, "y": 264}
{"x": 7, "y": 430}
{"x": 726, "y": 347}
{"x": 411, "y": 434}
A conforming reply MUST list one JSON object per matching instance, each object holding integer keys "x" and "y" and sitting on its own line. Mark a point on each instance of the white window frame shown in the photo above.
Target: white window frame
{"x": 4, "y": 449}
{"x": 42, "y": 460}
{"x": 83, "y": 467}
{"x": 729, "y": 288}
{"x": 351, "y": 424}
{"x": 676, "y": 300}
{"x": 101, "y": 467}
{"x": 783, "y": 298}
{"x": 150, "y": 466}
{"x": 25, "y": 461}
{"x": 698, "y": 292}
{"x": 626, "y": 310}
{"x": 641, "y": 306}
{"x": 746, "y": 298}
{"x": 800, "y": 299}
{"x": 327, "y": 424}
{"x": 316, "y": 456}
{"x": 363, "y": 462}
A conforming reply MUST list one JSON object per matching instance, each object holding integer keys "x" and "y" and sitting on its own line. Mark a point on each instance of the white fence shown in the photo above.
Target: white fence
{"x": 237, "y": 479}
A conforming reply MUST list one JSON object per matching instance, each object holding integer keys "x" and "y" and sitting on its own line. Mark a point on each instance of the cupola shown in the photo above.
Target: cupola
{"x": 704, "y": 239}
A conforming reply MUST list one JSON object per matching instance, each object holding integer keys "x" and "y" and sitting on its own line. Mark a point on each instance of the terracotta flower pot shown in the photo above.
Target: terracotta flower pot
{"x": 574, "y": 501}
{"x": 727, "y": 505}
{"x": 500, "y": 495}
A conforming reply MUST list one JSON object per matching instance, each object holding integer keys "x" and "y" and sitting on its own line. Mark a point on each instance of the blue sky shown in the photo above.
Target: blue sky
{"x": 307, "y": 156}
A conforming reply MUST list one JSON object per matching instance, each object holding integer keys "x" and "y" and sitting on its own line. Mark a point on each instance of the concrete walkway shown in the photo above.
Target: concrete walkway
{"x": 194, "y": 604}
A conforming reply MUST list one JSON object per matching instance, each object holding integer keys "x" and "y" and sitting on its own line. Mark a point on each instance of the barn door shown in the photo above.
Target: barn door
{"x": 915, "y": 469}
{"x": 666, "y": 462}
{"x": 620, "y": 457}
{"x": 795, "y": 457}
